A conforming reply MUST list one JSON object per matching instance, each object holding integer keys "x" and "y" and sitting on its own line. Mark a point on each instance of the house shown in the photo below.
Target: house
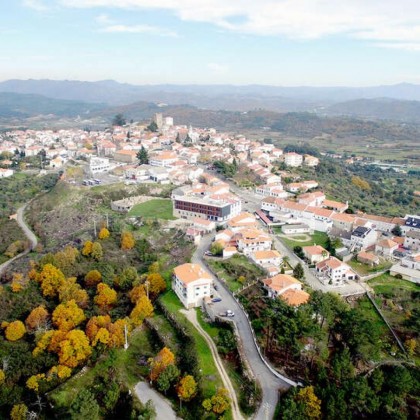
{"x": 242, "y": 220}
{"x": 271, "y": 190}
{"x": 311, "y": 161}
{"x": 343, "y": 221}
{"x": 192, "y": 284}
{"x": 293, "y": 159}
{"x": 318, "y": 218}
{"x": 286, "y": 287}
{"x": 194, "y": 235}
{"x": 128, "y": 156}
{"x": 412, "y": 240}
{"x": 5, "y": 173}
{"x": 295, "y": 228}
{"x": 265, "y": 258}
{"x": 163, "y": 159}
{"x": 57, "y": 162}
{"x": 335, "y": 205}
{"x": 97, "y": 165}
{"x": 368, "y": 258}
{"x": 362, "y": 237}
{"x": 314, "y": 199}
{"x": 386, "y": 247}
{"x": 315, "y": 253}
{"x": 411, "y": 223}
{"x": 159, "y": 174}
{"x": 251, "y": 240}
{"x": 334, "y": 272}
{"x": 408, "y": 268}
{"x": 229, "y": 251}
{"x": 205, "y": 225}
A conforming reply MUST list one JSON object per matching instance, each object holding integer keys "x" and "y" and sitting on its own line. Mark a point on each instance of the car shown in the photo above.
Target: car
{"x": 208, "y": 253}
{"x": 216, "y": 299}
{"x": 230, "y": 313}
{"x": 215, "y": 287}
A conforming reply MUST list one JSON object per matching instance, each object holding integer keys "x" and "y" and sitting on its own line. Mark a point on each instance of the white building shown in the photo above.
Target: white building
{"x": 333, "y": 272}
{"x": 5, "y": 173}
{"x": 362, "y": 237}
{"x": 252, "y": 240}
{"x": 97, "y": 165}
{"x": 412, "y": 240}
{"x": 293, "y": 159}
{"x": 192, "y": 284}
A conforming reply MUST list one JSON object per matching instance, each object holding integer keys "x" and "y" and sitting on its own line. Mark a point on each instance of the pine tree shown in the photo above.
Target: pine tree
{"x": 143, "y": 156}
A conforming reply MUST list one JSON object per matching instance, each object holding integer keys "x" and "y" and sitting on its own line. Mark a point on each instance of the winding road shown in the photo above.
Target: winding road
{"x": 33, "y": 240}
{"x": 270, "y": 383}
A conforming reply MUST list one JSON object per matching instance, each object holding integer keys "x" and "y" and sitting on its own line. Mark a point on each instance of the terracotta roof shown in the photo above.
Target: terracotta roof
{"x": 331, "y": 262}
{"x": 263, "y": 255}
{"x": 295, "y": 297}
{"x": 188, "y": 273}
{"x": 314, "y": 250}
{"x": 280, "y": 282}
{"x": 334, "y": 204}
{"x": 387, "y": 243}
{"x": 367, "y": 256}
{"x": 343, "y": 217}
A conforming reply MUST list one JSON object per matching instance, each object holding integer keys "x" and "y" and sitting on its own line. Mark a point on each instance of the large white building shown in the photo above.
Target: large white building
{"x": 192, "y": 284}
{"x": 293, "y": 159}
{"x": 97, "y": 165}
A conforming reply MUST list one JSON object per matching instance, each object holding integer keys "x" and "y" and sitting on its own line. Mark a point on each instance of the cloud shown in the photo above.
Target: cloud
{"x": 139, "y": 29}
{"x": 218, "y": 68}
{"x": 375, "y": 20}
{"x": 37, "y": 5}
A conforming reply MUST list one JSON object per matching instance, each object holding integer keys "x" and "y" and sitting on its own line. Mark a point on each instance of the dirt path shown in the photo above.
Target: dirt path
{"x": 192, "y": 317}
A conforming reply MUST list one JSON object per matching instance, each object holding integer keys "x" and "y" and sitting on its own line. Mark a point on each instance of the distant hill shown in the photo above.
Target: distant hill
{"x": 379, "y": 108}
{"x": 13, "y": 105}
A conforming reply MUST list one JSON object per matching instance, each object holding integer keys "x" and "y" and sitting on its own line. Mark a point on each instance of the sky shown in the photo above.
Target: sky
{"x": 269, "y": 42}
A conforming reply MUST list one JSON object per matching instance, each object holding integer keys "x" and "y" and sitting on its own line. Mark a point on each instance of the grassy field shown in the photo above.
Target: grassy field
{"x": 318, "y": 238}
{"x": 124, "y": 362}
{"x": 157, "y": 209}
{"x": 364, "y": 269}
{"x": 210, "y": 376}
{"x": 389, "y": 285}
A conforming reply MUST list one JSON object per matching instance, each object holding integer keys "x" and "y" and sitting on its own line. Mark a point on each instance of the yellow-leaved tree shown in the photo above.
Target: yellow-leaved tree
{"x": 218, "y": 403}
{"x": 71, "y": 290}
{"x": 136, "y": 293}
{"x": 74, "y": 349}
{"x": 103, "y": 233}
{"x": 67, "y": 316}
{"x": 156, "y": 284}
{"x": 310, "y": 401}
{"x": 19, "y": 412}
{"x": 160, "y": 362}
{"x": 143, "y": 309}
{"x": 50, "y": 279}
{"x": 87, "y": 248}
{"x": 127, "y": 241}
{"x": 187, "y": 388}
{"x": 15, "y": 330}
{"x": 105, "y": 297}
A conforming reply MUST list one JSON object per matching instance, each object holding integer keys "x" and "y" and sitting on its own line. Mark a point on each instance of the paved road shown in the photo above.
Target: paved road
{"x": 162, "y": 405}
{"x": 192, "y": 317}
{"x": 28, "y": 233}
{"x": 270, "y": 384}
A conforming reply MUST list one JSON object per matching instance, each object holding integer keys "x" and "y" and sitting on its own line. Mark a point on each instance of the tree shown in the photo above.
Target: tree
{"x": 103, "y": 233}
{"x": 15, "y": 331}
{"x": 143, "y": 309}
{"x": 97, "y": 252}
{"x": 156, "y": 284}
{"x": 2, "y": 377}
{"x": 298, "y": 272}
{"x": 106, "y": 296}
{"x": 396, "y": 230}
{"x": 118, "y": 120}
{"x": 160, "y": 362}
{"x": 127, "y": 241}
{"x": 136, "y": 293}
{"x": 50, "y": 279}
{"x": 87, "y": 248}
{"x": 216, "y": 248}
{"x": 218, "y": 403}
{"x": 187, "y": 388}
{"x": 84, "y": 406}
{"x": 298, "y": 251}
{"x": 143, "y": 156}
{"x": 153, "y": 127}
{"x": 168, "y": 377}
{"x": 19, "y": 412}
{"x": 410, "y": 345}
{"x": 37, "y": 318}
{"x": 69, "y": 290}
{"x": 93, "y": 278}
{"x": 311, "y": 402}
{"x": 74, "y": 349}
{"x": 67, "y": 316}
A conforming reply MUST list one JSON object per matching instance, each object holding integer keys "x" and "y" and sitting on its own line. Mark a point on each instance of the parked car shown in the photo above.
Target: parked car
{"x": 228, "y": 313}
{"x": 208, "y": 253}
{"x": 216, "y": 299}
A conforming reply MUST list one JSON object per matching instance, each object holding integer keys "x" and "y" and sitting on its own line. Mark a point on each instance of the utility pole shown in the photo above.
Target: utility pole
{"x": 146, "y": 283}
{"x": 126, "y": 337}
{"x": 107, "y": 221}
{"x": 94, "y": 227}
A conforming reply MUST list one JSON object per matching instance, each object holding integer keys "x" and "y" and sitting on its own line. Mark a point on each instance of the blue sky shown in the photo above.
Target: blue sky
{"x": 276, "y": 42}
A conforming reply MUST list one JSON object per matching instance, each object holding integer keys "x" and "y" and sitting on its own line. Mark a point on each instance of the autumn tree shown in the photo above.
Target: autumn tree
{"x": 127, "y": 278}
{"x": 2, "y": 376}
{"x": 143, "y": 309}
{"x": 127, "y": 241}
{"x": 168, "y": 377}
{"x": 50, "y": 279}
{"x": 100, "y": 329}
{"x": 187, "y": 388}
{"x": 156, "y": 284}
{"x": 74, "y": 349}
{"x": 97, "y": 252}
{"x": 105, "y": 297}
{"x": 103, "y": 233}
{"x": 37, "y": 318}
{"x": 136, "y": 293}
{"x": 312, "y": 404}
{"x": 87, "y": 248}
{"x": 67, "y": 316}
{"x": 19, "y": 412}
{"x": 15, "y": 330}
{"x": 160, "y": 362}
{"x": 218, "y": 403}
{"x": 70, "y": 289}
{"x": 66, "y": 259}
{"x": 93, "y": 278}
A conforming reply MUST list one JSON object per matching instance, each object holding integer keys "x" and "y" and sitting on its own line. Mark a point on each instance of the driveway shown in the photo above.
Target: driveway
{"x": 162, "y": 405}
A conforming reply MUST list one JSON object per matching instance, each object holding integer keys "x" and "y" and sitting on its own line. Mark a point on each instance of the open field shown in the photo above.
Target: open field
{"x": 318, "y": 238}
{"x": 158, "y": 209}
{"x": 387, "y": 284}
{"x": 364, "y": 269}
